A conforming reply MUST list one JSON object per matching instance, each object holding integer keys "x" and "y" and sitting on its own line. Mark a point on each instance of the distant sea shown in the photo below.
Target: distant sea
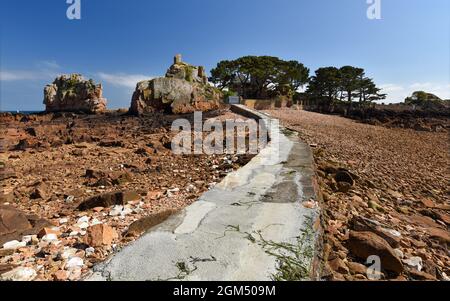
{"x": 22, "y": 112}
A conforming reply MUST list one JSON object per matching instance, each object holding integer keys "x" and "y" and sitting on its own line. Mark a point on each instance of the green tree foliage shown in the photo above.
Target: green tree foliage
{"x": 347, "y": 83}
{"x": 425, "y": 100}
{"x": 259, "y": 76}
{"x": 325, "y": 85}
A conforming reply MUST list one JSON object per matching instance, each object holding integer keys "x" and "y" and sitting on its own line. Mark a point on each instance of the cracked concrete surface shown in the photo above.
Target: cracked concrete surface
{"x": 219, "y": 236}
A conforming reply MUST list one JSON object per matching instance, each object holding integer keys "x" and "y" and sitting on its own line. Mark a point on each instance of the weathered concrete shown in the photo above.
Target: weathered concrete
{"x": 243, "y": 229}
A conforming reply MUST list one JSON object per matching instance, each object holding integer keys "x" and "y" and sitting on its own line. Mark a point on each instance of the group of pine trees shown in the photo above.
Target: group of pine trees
{"x": 266, "y": 76}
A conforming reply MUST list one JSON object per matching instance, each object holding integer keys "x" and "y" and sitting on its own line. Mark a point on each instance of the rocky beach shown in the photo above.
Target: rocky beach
{"x": 384, "y": 192}
{"x": 75, "y": 188}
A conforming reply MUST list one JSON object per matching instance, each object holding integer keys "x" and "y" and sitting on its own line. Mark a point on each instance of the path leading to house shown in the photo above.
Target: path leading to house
{"x": 246, "y": 228}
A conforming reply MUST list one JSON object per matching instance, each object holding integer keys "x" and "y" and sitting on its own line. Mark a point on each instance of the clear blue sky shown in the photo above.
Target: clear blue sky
{"x": 119, "y": 42}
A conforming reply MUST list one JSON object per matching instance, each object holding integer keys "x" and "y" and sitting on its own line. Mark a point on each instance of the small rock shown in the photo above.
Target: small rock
{"x": 74, "y": 262}
{"x": 428, "y": 203}
{"x": 126, "y": 211}
{"x": 154, "y": 195}
{"x": 95, "y": 222}
{"x": 19, "y": 274}
{"x": 399, "y": 253}
{"x": 6, "y": 252}
{"x": 414, "y": 262}
{"x": 60, "y": 276}
{"x": 90, "y": 251}
{"x": 68, "y": 253}
{"x": 40, "y": 192}
{"x": 100, "y": 235}
{"x": 46, "y": 231}
{"x": 50, "y": 238}
{"x": 98, "y": 209}
{"x": 6, "y": 198}
{"x": 338, "y": 265}
{"x": 83, "y": 222}
{"x": 27, "y": 238}
{"x": 357, "y": 199}
{"x": 14, "y": 244}
{"x": 357, "y": 268}
{"x": 395, "y": 194}
{"x": 116, "y": 210}
{"x": 344, "y": 187}
{"x": 75, "y": 273}
{"x": 311, "y": 204}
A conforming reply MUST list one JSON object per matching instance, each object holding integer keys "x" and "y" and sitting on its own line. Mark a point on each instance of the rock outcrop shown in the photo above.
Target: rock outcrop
{"x": 184, "y": 89}
{"x": 72, "y": 93}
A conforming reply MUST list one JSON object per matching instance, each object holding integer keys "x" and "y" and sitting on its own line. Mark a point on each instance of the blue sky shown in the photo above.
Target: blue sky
{"x": 119, "y": 42}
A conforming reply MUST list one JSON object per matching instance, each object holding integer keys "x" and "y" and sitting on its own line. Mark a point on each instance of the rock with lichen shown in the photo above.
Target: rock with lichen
{"x": 184, "y": 89}
{"x": 72, "y": 93}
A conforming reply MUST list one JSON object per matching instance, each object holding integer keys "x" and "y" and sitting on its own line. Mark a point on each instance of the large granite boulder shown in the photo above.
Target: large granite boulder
{"x": 72, "y": 93}
{"x": 184, "y": 89}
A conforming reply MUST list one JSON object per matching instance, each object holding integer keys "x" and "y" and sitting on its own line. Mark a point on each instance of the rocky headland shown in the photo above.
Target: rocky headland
{"x": 72, "y": 93}
{"x": 184, "y": 89}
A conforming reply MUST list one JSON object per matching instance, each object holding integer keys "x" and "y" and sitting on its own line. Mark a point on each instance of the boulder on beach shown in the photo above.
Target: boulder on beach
{"x": 72, "y": 93}
{"x": 184, "y": 89}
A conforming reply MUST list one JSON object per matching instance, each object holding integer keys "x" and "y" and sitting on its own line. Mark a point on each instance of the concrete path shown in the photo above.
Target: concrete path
{"x": 249, "y": 227}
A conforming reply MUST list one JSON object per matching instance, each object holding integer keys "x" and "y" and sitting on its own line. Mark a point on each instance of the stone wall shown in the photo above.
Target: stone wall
{"x": 267, "y": 104}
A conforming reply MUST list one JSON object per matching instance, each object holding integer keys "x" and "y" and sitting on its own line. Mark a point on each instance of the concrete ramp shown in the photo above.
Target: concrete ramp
{"x": 259, "y": 223}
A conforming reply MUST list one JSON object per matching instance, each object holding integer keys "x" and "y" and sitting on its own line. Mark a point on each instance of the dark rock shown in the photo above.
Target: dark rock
{"x": 111, "y": 143}
{"x": 94, "y": 174}
{"x": 109, "y": 199}
{"x": 343, "y": 187}
{"x": 31, "y": 131}
{"x": 416, "y": 275}
{"x": 121, "y": 178}
{"x": 148, "y": 222}
{"x": 343, "y": 176}
{"x": 40, "y": 192}
{"x": 22, "y": 145}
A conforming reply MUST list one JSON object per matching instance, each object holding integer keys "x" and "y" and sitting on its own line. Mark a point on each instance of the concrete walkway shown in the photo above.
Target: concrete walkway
{"x": 249, "y": 227}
